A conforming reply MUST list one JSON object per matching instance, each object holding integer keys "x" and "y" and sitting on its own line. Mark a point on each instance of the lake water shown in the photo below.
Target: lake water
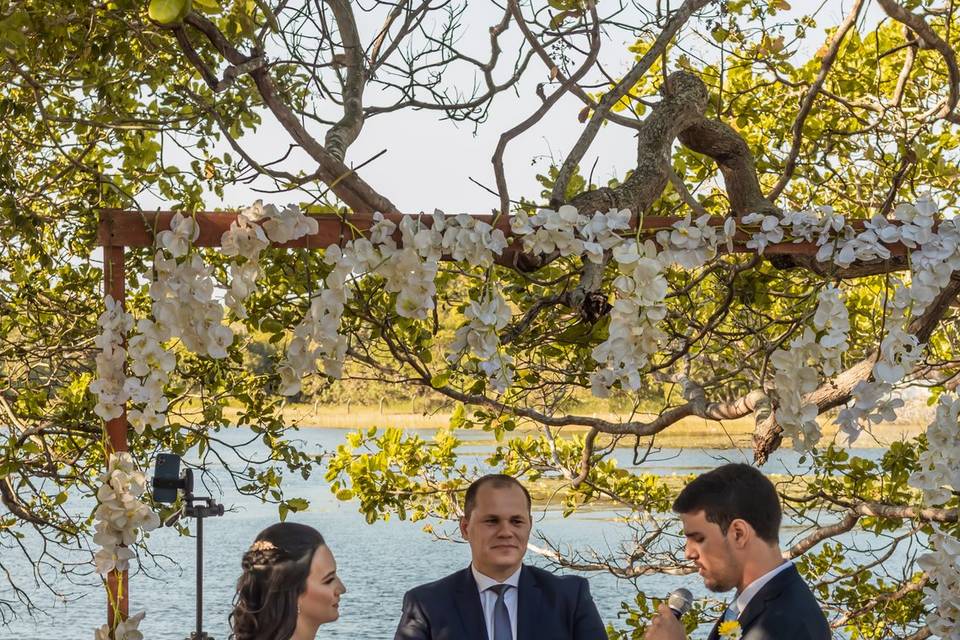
{"x": 378, "y": 562}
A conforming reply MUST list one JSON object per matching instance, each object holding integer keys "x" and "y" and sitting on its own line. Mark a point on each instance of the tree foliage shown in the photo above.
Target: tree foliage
{"x": 736, "y": 106}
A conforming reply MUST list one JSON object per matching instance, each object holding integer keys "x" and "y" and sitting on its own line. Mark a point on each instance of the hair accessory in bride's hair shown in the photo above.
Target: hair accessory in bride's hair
{"x": 262, "y": 545}
{"x": 261, "y": 555}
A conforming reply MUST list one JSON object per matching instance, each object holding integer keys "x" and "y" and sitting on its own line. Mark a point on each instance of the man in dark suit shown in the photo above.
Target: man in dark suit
{"x": 498, "y": 597}
{"x": 731, "y": 520}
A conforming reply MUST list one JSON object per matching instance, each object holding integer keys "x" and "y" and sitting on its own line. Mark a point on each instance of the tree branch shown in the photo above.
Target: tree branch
{"x": 670, "y": 29}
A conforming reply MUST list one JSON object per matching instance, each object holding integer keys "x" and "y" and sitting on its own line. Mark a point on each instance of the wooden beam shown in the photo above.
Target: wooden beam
{"x": 139, "y": 229}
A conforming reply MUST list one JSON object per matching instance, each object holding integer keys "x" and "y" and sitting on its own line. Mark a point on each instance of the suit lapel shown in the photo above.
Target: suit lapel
{"x": 770, "y": 591}
{"x": 529, "y": 596}
{"x": 467, "y": 599}
{"x": 715, "y": 632}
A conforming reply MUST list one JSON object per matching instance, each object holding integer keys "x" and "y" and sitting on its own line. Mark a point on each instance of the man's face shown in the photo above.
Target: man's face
{"x": 498, "y": 529}
{"x": 711, "y": 551}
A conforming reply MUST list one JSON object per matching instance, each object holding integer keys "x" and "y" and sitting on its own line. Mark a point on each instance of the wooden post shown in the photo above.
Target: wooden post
{"x": 118, "y": 593}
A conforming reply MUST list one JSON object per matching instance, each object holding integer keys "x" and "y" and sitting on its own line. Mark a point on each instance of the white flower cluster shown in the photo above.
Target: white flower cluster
{"x": 183, "y": 306}
{"x": 935, "y": 258}
{"x": 795, "y": 368}
{"x": 410, "y": 272}
{"x": 244, "y": 241}
{"x": 794, "y": 377}
{"x": 571, "y": 233}
{"x": 125, "y": 630}
{"x": 832, "y": 322}
{"x": 485, "y": 319}
{"x": 109, "y": 388}
{"x": 283, "y": 225}
{"x": 182, "y": 292}
{"x": 692, "y": 243}
{"x": 770, "y": 232}
{"x": 641, "y": 287}
{"x": 462, "y": 237}
{"x": 121, "y": 515}
{"x": 943, "y": 597}
{"x": 939, "y": 474}
{"x": 633, "y": 334}
{"x": 317, "y": 336}
{"x": 251, "y": 233}
{"x": 151, "y": 364}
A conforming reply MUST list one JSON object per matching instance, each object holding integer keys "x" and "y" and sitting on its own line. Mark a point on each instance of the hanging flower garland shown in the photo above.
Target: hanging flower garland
{"x": 121, "y": 515}
{"x": 409, "y": 272}
{"x": 121, "y": 518}
{"x": 938, "y": 478}
{"x": 184, "y": 307}
{"x": 939, "y": 474}
{"x": 114, "y": 324}
{"x": 244, "y": 239}
{"x": 633, "y": 335}
{"x": 795, "y": 368}
{"x": 943, "y": 597}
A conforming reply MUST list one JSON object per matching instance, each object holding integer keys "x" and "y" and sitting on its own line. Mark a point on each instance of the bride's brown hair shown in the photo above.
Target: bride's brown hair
{"x": 275, "y": 571}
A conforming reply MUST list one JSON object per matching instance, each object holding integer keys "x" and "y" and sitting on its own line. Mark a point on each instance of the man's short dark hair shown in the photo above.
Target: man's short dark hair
{"x": 731, "y": 492}
{"x": 497, "y": 481}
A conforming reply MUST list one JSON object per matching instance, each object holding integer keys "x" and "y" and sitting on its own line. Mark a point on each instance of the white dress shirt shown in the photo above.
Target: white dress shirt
{"x": 488, "y": 599}
{"x": 745, "y": 596}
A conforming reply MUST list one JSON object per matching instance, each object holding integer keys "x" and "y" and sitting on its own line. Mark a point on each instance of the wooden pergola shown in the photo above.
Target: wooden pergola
{"x": 121, "y": 229}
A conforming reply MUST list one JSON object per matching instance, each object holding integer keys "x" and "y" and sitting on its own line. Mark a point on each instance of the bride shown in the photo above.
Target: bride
{"x": 289, "y": 586}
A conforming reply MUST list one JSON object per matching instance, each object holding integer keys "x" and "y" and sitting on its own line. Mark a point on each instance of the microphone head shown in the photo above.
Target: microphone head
{"x": 680, "y": 601}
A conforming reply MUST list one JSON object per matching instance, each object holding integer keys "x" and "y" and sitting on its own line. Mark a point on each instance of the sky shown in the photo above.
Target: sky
{"x": 428, "y": 162}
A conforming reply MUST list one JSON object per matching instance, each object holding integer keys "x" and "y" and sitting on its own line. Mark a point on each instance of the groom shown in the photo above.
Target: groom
{"x": 731, "y": 519}
{"x": 498, "y": 597}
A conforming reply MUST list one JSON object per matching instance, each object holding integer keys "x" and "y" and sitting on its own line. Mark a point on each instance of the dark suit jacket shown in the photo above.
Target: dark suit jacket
{"x": 784, "y": 609}
{"x": 549, "y": 607}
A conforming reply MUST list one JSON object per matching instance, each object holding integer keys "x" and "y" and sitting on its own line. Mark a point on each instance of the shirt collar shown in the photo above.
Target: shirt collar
{"x": 744, "y": 598}
{"x": 485, "y": 582}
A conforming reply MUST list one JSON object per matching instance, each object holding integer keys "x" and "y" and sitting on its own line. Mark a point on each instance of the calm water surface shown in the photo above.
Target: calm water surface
{"x": 378, "y": 562}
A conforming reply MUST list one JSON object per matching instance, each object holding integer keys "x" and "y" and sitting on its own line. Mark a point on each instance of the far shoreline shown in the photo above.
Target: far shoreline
{"x": 690, "y": 432}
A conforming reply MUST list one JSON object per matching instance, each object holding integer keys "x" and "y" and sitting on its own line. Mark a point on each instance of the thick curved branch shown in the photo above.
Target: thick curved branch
{"x": 684, "y": 100}
{"x": 670, "y": 29}
{"x": 729, "y": 150}
{"x": 710, "y": 411}
{"x": 848, "y": 522}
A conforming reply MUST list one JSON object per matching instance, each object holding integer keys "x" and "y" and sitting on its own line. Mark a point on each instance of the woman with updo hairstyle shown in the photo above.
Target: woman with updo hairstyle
{"x": 289, "y": 586}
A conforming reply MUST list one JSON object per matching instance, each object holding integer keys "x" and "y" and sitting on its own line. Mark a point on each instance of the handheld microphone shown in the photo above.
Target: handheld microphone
{"x": 680, "y": 602}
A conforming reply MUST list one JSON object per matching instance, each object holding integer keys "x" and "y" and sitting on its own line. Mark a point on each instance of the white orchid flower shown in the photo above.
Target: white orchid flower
{"x": 183, "y": 232}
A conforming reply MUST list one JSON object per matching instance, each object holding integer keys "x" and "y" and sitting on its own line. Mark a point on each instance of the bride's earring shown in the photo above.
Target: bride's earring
{"x": 298, "y": 608}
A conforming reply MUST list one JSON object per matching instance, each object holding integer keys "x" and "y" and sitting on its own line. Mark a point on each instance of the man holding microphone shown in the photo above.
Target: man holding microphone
{"x": 731, "y": 520}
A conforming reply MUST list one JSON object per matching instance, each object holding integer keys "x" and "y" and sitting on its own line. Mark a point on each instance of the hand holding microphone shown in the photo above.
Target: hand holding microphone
{"x": 680, "y": 602}
{"x": 666, "y": 625}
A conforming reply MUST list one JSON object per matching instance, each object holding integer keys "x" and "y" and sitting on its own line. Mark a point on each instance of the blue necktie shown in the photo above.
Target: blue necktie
{"x": 732, "y": 612}
{"x": 501, "y": 617}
